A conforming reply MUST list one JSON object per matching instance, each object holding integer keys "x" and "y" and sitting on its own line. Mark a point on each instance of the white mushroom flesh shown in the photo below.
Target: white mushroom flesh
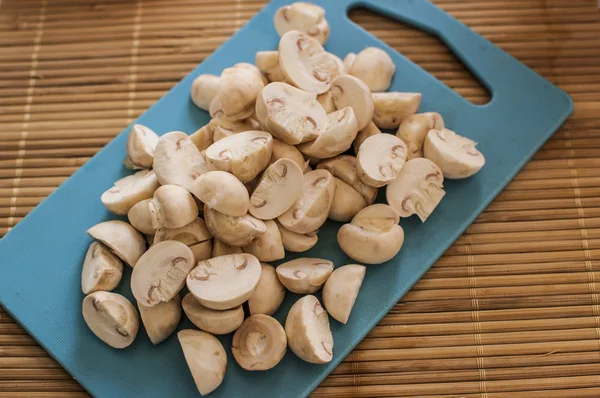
{"x": 203, "y": 137}
{"x": 380, "y": 159}
{"x": 205, "y": 357}
{"x": 350, "y": 91}
{"x": 161, "y": 320}
{"x": 392, "y": 108}
{"x": 304, "y": 275}
{"x": 308, "y": 331}
{"x": 140, "y": 217}
{"x": 224, "y": 127}
{"x": 414, "y": 129}
{"x": 141, "y": 143}
{"x": 121, "y": 238}
{"x": 235, "y": 231}
{"x": 326, "y": 101}
{"x": 341, "y": 130}
{"x": 268, "y": 246}
{"x": 111, "y": 317}
{"x": 260, "y": 343}
{"x": 102, "y": 269}
{"x": 344, "y": 168}
{"x": 454, "y": 154}
{"x": 212, "y": 321}
{"x": 363, "y": 134}
{"x": 130, "y": 190}
{"x": 281, "y": 150}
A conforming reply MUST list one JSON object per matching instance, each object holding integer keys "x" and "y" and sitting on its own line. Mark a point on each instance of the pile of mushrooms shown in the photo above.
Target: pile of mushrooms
{"x": 293, "y": 141}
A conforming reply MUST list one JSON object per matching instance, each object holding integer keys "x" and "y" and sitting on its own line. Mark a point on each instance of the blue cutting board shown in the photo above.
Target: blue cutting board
{"x": 41, "y": 258}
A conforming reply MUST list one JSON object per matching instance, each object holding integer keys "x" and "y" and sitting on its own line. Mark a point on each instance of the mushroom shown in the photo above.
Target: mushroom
{"x": 290, "y": 114}
{"x": 121, "y": 238}
{"x": 277, "y": 190}
{"x": 160, "y": 273}
{"x": 189, "y": 234}
{"x": 347, "y": 201}
{"x": 374, "y": 67}
{"x": 202, "y": 250}
{"x": 350, "y": 91}
{"x": 365, "y": 133}
{"x": 341, "y": 289}
{"x": 254, "y": 69}
{"x": 341, "y": 130}
{"x": 379, "y": 159}
{"x": 326, "y": 101}
{"x": 417, "y": 190}
{"x": 244, "y": 155}
{"x": 224, "y": 282}
{"x": 212, "y": 321}
{"x": 161, "y": 320}
{"x": 178, "y": 161}
{"x": 203, "y": 137}
{"x": 373, "y": 236}
{"x": 268, "y": 246}
{"x": 205, "y": 357}
{"x": 269, "y": 293}
{"x": 111, "y": 317}
{"x": 215, "y": 109}
{"x": 204, "y": 90}
{"x": 454, "y": 154}
{"x": 413, "y": 130}
{"x": 223, "y": 192}
{"x": 308, "y": 331}
{"x": 172, "y": 207}
{"x": 102, "y": 269}
{"x": 281, "y": 150}
{"x": 303, "y": 17}
{"x": 223, "y": 127}
{"x": 139, "y": 216}
{"x": 297, "y": 243}
{"x": 305, "y": 63}
{"x": 140, "y": 147}
{"x": 304, "y": 275}
{"x": 235, "y": 231}
{"x": 349, "y": 61}
{"x": 129, "y": 190}
{"x": 268, "y": 63}
{"x": 238, "y": 88}
{"x": 260, "y": 343}
{"x": 344, "y": 168}
{"x": 310, "y": 210}
{"x": 221, "y": 248}
{"x": 392, "y": 108}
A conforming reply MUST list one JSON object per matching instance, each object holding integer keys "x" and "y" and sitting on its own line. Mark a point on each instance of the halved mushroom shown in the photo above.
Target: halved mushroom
{"x": 260, "y": 343}
{"x": 203, "y": 137}
{"x": 298, "y": 16}
{"x": 341, "y": 289}
{"x": 392, "y": 108}
{"x": 160, "y": 273}
{"x": 310, "y": 210}
{"x": 268, "y": 63}
{"x": 290, "y": 114}
{"x": 341, "y": 130}
{"x": 224, "y": 282}
{"x": 178, "y": 161}
{"x": 139, "y": 216}
{"x": 344, "y": 168}
{"x": 140, "y": 147}
{"x": 205, "y": 357}
{"x": 326, "y": 101}
{"x": 454, "y": 154}
{"x": 380, "y": 159}
{"x": 130, "y": 190}
{"x": 223, "y": 192}
{"x": 269, "y": 293}
{"x": 172, "y": 207}
{"x": 417, "y": 190}
{"x": 281, "y": 150}
{"x": 161, "y": 320}
{"x": 373, "y": 236}
{"x": 244, "y": 155}
{"x": 304, "y": 275}
{"x": 277, "y": 190}
{"x": 102, "y": 269}
{"x": 351, "y": 91}
{"x": 215, "y": 109}
{"x": 223, "y": 127}
{"x": 268, "y": 246}
{"x": 374, "y": 67}
{"x": 212, "y": 321}
{"x": 308, "y": 331}
{"x": 347, "y": 201}
{"x": 349, "y": 61}
{"x": 235, "y": 231}
{"x": 413, "y": 130}
{"x": 221, "y": 249}
{"x": 189, "y": 234}
{"x": 204, "y": 90}
{"x": 363, "y": 134}
{"x": 238, "y": 89}
{"x": 297, "y": 243}
{"x": 111, "y": 317}
{"x": 121, "y": 238}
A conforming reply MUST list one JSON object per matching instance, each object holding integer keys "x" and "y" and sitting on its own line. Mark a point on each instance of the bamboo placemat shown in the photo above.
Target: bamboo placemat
{"x": 511, "y": 310}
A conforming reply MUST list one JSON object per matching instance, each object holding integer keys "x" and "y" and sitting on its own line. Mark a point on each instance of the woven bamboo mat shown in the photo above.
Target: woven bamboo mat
{"x": 511, "y": 310}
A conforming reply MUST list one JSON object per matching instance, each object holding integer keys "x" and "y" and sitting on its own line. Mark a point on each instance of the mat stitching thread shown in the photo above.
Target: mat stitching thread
{"x": 355, "y": 375}
{"x": 135, "y": 50}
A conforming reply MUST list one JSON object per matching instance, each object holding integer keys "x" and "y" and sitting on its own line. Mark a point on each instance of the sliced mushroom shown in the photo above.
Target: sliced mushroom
{"x": 349, "y": 61}
{"x": 205, "y": 357}
{"x": 215, "y": 109}
{"x": 121, "y": 238}
{"x": 374, "y": 67}
{"x": 130, "y": 190}
{"x": 269, "y": 293}
{"x": 363, "y": 134}
{"x": 297, "y": 243}
{"x": 455, "y": 155}
{"x": 380, "y": 159}
{"x": 310, "y": 210}
{"x": 221, "y": 249}
{"x": 102, "y": 269}
{"x": 172, "y": 207}
{"x": 281, "y": 150}
{"x": 268, "y": 246}
{"x": 347, "y": 201}
{"x": 337, "y": 138}
{"x": 268, "y": 63}
{"x": 223, "y": 192}
{"x": 344, "y": 168}
{"x": 238, "y": 89}
{"x": 277, "y": 190}
{"x": 373, "y": 236}
{"x": 350, "y": 91}
{"x": 161, "y": 320}
{"x": 413, "y": 130}
{"x": 212, "y": 321}
{"x": 244, "y": 155}
{"x": 111, "y": 317}
{"x": 139, "y": 216}
{"x": 189, "y": 234}
{"x": 308, "y": 331}
{"x": 204, "y": 90}
{"x": 303, "y": 17}
{"x": 224, "y": 282}
{"x": 224, "y": 127}
{"x": 326, "y": 101}
{"x": 260, "y": 343}
{"x": 203, "y": 137}
{"x": 160, "y": 273}
{"x": 341, "y": 289}
{"x": 304, "y": 275}
{"x": 392, "y": 108}
{"x": 141, "y": 143}
{"x": 235, "y": 231}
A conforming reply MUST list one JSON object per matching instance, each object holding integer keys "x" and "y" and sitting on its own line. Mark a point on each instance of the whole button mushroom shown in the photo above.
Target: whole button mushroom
{"x": 206, "y": 358}
{"x": 380, "y": 159}
{"x": 392, "y": 108}
{"x": 161, "y": 320}
{"x": 455, "y": 155}
{"x": 238, "y": 89}
{"x": 269, "y": 293}
{"x": 281, "y": 150}
{"x": 417, "y": 190}
{"x": 204, "y": 90}
{"x": 337, "y": 138}
{"x": 260, "y": 343}
{"x": 363, "y": 134}
{"x": 268, "y": 246}
{"x": 102, "y": 269}
{"x": 140, "y": 217}
{"x": 235, "y": 231}
{"x": 297, "y": 243}
{"x": 223, "y": 192}
{"x": 141, "y": 143}
{"x": 111, "y": 317}
{"x": 212, "y": 321}
{"x": 374, "y": 67}
{"x": 414, "y": 129}
{"x": 268, "y": 63}
{"x": 308, "y": 331}
{"x": 303, "y": 17}
{"x": 130, "y": 190}
{"x": 121, "y": 238}
{"x": 304, "y": 275}
{"x": 350, "y": 91}
{"x": 341, "y": 289}
{"x": 344, "y": 168}
{"x": 172, "y": 206}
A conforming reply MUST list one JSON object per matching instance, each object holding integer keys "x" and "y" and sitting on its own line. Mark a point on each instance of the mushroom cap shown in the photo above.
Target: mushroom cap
{"x": 102, "y": 269}
{"x": 363, "y": 134}
{"x": 341, "y": 289}
{"x": 212, "y": 321}
{"x": 260, "y": 343}
{"x": 161, "y": 320}
{"x": 235, "y": 231}
{"x": 347, "y": 201}
{"x": 129, "y": 190}
{"x": 223, "y": 127}
{"x": 297, "y": 243}
{"x": 299, "y": 16}
{"x": 172, "y": 207}
{"x": 374, "y": 67}
{"x": 121, "y": 238}
{"x": 304, "y": 275}
{"x": 160, "y": 273}
{"x": 204, "y": 90}
{"x": 238, "y": 88}
{"x": 268, "y": 246}
{"x": 140, "y": 217}
{"x": 281, "y": 150}
{"x": 344, "y": 168}
{"x": 111, "y": 317}
{"x": 268, "y": 63}
{"x": 223, "y": 192}
{"x": 326, "y": 101}
{"x": 308, "y": 331}
{"x": 351, "y": 91}
{"x": 205, "y": 357}
{"x": 414, "y": 129}
{"x": 455, "y": 155}
{"x": 140, "y": 146}
{"x": 224, "y": 282}
{"x": 341, "y": 130}
{"x": 392, "y": 108}
{"x": 221, "y": 248}
{"x": 189, "y": 234}
{"x": 269, "y": 293}
{"x": 203, "y": 137}
{"x": 380, "y": 159}
{"x": 349, "y": 61}
{"x": 215, "y": 109}
{"x": 202, "y": 250}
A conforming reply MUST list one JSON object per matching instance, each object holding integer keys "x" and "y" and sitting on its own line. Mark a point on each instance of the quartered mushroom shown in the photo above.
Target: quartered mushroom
{"x": 121, "y": 238}
{"x": 224, "y": 282}
{"x": 350, "y": 91}
{"x": 212, "y": 321}
{"x": 268, "y": 246}
{"x": 297, "y": 243}
{"x": 204, "y": 90}
{"x": 141, "y": 143}
{"x": 380, "y": 159}
{"x": 341, "y": 289}
{"x": 363, "y": 134}
{"x": 223, "y": 192}
{"x": 269, "y": 293}
{"x": 111, "y": 317}
{"x": 102, "y": 269}
{"x": 346, "y": 202}
{"x": 161, "y": 320}
{"x": 281, "y": 150}
{"x": 160, "y": 273}
{"x": 172, "y": 207}
{"x": 326, "y": 101}
{"x": 374, "y": 67}
{"x": 337, "y": 138}
{"x": 215, "y": 109}
{"x": 205, "y": 357}
{"x": 414, "y": 129}
{"x": 268, "y": 63}
{"x": 130, "y": 190}
{"x": 373, "y": 236}
{"x": 455, "y": 155}
{"x": 260, "y": 343}
{"x": 221, "y": 248}
{"x": 344, "y": 168}
{"x": 203, "y": 137}
{"x": 235, "y": 231}
{"x": 392, "y": 108}
{"x": 304, "y": 275}
{"x": 238, "y": 88}
{"x": 308, "y": 331}
{"x": 223, "y": 127}
{"x": 140, "y": 217}
{"x": 195, "y": 235}
{"x": 303, "y": 17}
